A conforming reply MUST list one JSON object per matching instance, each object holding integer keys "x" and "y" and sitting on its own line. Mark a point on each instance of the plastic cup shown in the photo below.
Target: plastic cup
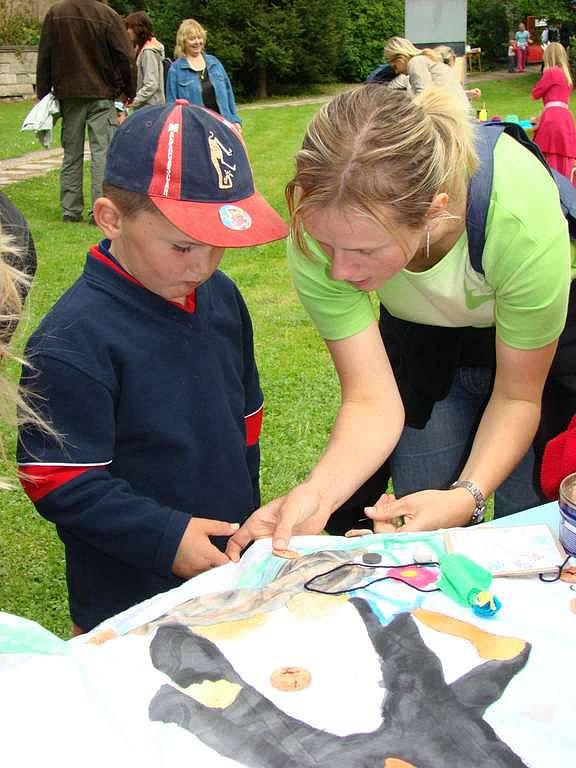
{"x": 567, "y": 503}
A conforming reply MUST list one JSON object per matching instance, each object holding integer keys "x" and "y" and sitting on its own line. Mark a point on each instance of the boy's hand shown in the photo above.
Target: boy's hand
{"x": 196, "y": 552}
{"x": 297, "y": 513}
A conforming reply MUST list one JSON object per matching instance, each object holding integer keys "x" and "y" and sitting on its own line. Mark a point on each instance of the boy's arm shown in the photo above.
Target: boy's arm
{"x": 69, "y": 480}
{"x": 254, "y": 405}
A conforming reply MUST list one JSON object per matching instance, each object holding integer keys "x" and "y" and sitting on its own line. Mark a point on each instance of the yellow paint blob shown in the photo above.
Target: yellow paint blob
{"x": 308, "y": 605}
{"x": 409, "y": 572}
{"x": 216, "y": 694}
{"x": 228, "y": 630}
{"x": 489, "y": 646}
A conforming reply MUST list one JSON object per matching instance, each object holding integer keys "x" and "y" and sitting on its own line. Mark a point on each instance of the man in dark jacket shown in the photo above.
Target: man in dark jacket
{"x": 86, "y": 57}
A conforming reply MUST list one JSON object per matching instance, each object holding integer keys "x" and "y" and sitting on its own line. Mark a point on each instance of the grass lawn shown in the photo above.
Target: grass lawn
{"x": 298, "y": 380}
{"x": 14, "y": 141}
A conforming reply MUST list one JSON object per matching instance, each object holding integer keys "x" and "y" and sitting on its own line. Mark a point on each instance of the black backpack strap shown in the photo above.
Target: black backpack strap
{"x": 480, "y": 187}
{"x": 479, "y": 191}
{"x": 567, "y": 200}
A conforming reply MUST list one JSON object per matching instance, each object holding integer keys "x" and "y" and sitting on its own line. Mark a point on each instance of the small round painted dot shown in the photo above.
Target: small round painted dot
{"x": 371, "y": 558}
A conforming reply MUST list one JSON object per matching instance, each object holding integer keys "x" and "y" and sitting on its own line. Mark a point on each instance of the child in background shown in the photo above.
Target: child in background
{"x": 145, "y": 367}
{"x": 556, "y": 131}
{"x": 511, "y": 55}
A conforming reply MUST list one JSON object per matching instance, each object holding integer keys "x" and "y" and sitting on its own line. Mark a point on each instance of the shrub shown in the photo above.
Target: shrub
{"x": 369, "y": 24}
{"x": 18, "y": 27}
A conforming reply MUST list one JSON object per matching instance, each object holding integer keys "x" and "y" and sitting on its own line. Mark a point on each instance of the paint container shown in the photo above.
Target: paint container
{"x": 567, "y": 503}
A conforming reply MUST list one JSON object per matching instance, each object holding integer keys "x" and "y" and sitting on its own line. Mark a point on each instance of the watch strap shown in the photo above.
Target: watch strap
{"x": 480, "y": 509}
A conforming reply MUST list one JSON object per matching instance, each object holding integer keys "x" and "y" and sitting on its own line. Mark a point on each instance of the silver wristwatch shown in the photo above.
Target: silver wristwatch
{"x": 480, "y": 509}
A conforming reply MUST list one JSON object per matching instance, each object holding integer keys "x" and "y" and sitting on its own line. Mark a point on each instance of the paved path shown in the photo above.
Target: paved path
{"x": 43, "y": 161}
{"x": 31, "y": 165}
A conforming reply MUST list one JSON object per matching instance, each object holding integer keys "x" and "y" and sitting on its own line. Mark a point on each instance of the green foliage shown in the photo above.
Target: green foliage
{"x": 285, "y": 41}
{"x": 518, "y": 10}
{"x": 18, "y": 28}
{"x": 488, "y": 27}
{"x": 369, "y": 24}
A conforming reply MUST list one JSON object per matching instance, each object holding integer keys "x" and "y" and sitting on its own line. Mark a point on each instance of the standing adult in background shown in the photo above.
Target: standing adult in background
{"x": 149, "y": 55}
{"x": 197, "y": 76}
{"x": 522, "y": 38}
{"x": 424, "y": 67}
{"x": 86, "y": 57}
{"x": 556, "y": 131}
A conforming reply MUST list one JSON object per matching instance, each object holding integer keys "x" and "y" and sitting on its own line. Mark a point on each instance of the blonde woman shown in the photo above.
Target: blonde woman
{"x": 197, "y": 76}
{"x": 450, "y": 385}
{"x": 556, "y": 132}
{"x": 424, "y": 67}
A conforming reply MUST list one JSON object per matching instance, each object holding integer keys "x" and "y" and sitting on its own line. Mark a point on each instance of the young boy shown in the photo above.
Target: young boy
{"x": 511, "y": 55}
{"x": 145, "y": 369}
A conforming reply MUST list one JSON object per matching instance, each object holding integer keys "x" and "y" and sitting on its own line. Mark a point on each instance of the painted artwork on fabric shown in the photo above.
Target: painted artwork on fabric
{"x": 394, "y": 673}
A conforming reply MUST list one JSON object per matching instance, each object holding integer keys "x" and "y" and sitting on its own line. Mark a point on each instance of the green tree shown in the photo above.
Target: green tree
{"x": 369, "y": 23}
{"x": 262, "y": 43}
{"x": 490, "y": 22}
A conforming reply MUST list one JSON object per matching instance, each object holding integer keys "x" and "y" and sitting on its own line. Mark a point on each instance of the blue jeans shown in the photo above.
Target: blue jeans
{"x": 434, "y": 456}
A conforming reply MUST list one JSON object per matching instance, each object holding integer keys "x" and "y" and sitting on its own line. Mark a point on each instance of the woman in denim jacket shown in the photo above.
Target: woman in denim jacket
{"x": 197, "y": 76}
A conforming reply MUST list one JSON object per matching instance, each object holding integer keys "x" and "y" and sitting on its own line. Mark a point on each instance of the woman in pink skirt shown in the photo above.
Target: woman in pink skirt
{"x": 556, "y": 131}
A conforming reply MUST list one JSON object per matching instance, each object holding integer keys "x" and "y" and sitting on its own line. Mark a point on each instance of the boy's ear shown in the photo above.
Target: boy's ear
{"x": 108, "y": 217}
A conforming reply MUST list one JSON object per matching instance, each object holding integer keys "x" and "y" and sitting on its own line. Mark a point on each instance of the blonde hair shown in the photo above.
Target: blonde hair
{"x": 187, "y": 27}
{"x": 378, "y": 152}
{"x": 447, "y": 54}
{"x": 555, "y": 56}
{"x": 400, "y": 48}
{"x": 13, "y": 287}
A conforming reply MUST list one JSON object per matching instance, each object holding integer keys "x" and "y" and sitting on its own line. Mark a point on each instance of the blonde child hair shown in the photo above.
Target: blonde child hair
{"x": 378, "y": 152}
{"x": 446, "y": 54}
{"x": 400, "y": 48}
{"x": 13, "y": 287}
{"x": 555, "y": 56}
{"x": 187, "y": 28}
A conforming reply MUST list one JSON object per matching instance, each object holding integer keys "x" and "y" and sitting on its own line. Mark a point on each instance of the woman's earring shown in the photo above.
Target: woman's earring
{"x": 427, "y": 243}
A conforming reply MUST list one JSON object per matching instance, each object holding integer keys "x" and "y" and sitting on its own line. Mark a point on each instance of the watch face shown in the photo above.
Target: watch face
{"x": 477, "y": 516}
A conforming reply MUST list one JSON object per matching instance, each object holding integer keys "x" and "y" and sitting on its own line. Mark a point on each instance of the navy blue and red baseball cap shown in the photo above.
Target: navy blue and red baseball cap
{"x": 193, "y": 166}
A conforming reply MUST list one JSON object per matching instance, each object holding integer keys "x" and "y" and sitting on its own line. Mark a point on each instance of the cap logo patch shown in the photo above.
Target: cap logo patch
{"x": 224, "y": 170}
{"x": 173, "y": 129}
{"x": 234, "y": 217}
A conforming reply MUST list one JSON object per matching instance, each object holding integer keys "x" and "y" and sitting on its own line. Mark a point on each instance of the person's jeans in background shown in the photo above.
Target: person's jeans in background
{"x": 433, "y": 457}
{"x": 98, "y": 117}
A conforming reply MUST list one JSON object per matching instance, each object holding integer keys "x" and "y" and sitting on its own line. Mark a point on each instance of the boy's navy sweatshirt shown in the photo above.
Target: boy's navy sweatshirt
{"x": 159, "y": 409}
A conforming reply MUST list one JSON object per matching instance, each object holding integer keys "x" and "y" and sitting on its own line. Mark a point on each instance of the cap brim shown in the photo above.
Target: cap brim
{"x": 250, "y": 221}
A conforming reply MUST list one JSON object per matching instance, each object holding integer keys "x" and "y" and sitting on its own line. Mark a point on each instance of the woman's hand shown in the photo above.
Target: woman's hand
{"x": 422, "y": 511}
{"x": 300, "y": 512}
